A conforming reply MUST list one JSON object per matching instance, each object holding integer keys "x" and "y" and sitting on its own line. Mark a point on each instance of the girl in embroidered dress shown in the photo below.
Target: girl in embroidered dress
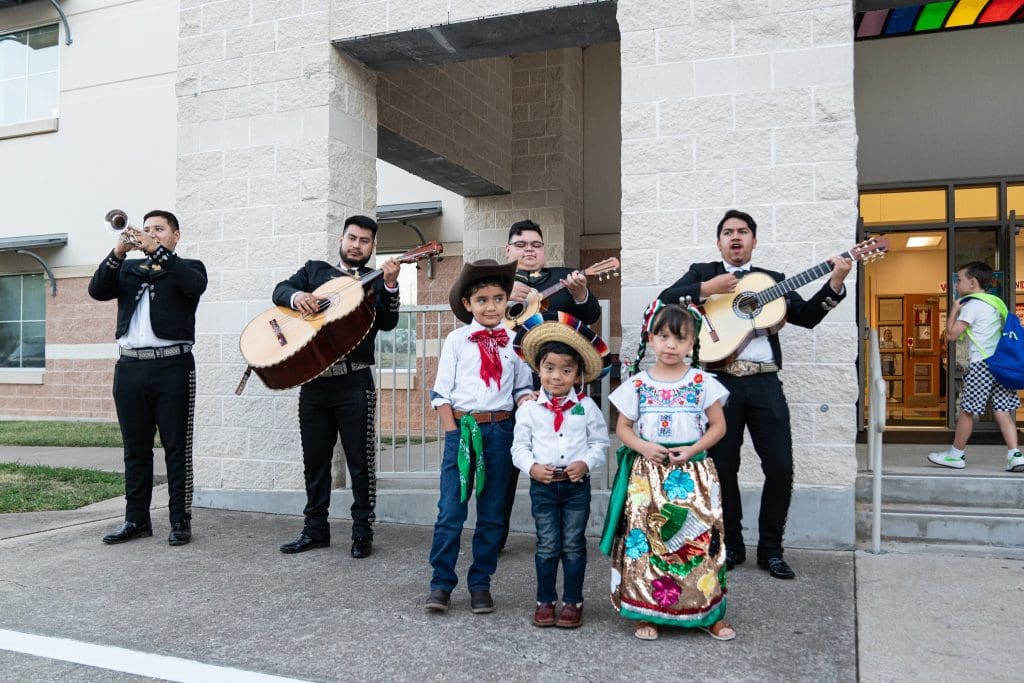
{"x": 664, "y": 525}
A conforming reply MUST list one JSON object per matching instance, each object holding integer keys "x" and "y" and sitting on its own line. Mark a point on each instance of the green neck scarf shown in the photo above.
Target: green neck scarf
{"x": 470, "y": 441}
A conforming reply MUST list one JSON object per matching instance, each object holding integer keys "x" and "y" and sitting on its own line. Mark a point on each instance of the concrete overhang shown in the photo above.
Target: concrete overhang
{"x": 25, "y": 245}
{"x": 432, "y": 166}
{"x": 396, "y": 213}
{"x": 578, "y": 25}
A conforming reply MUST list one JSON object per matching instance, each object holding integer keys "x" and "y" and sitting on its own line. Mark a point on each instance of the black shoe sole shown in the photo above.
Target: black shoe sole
{"x": 178, "y": 541}
{"x": 436, "y": 607}
{"x": 116, "y": 541}
{"x": 311, "y": 546}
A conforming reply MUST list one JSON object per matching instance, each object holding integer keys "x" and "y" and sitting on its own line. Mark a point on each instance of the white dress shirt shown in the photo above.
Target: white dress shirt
{"x": 758, "y": 349}
{"x": 140, "y": 334}
{"x": 583, "y": 437}
{"x": 458, "y": 381}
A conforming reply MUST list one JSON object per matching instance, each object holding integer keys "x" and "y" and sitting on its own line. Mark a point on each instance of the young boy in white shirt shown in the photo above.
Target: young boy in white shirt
{"x": 479, "y": 380}
{"x": 560, "y": 437}
{"x": 974, "y": 318}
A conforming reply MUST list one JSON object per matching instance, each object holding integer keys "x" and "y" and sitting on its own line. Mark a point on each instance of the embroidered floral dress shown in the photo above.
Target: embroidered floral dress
{"x": 668, "y": 556}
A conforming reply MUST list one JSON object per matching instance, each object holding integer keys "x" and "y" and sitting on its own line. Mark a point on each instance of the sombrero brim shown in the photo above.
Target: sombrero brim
{"x": 479, "y": 270}
{"x": 572, "y": 333}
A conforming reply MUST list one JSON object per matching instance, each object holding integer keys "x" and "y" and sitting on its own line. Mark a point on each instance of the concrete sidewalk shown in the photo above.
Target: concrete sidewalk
{"x": 103, "y": 459}
{"x": 230, "y": 598}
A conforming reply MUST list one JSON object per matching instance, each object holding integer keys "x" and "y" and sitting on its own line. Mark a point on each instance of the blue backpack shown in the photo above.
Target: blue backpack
{"x": 1007, "y": 362}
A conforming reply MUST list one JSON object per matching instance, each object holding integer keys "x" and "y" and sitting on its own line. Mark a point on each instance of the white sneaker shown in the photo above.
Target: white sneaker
{"x": 947, "y": 459}
{"x": 1015, "y": 462}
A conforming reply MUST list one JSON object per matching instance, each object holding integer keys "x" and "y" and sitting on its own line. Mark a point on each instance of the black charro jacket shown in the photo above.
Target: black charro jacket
{"x": 174, "y": 283}
{"x": 316, "y": 273}
{"x": 805, "y": 313}
{"x": 561, "y": 301}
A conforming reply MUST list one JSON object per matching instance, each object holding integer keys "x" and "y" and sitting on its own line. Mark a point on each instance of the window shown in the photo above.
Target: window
{"x": 22, "y": 321}
{"x": 28, "y": 75}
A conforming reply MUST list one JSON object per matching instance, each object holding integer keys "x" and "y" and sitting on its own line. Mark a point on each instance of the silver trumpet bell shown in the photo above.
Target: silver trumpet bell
{"x": 116, "y": 221}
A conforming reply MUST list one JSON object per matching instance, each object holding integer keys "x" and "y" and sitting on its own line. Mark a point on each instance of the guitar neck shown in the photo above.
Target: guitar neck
{"x": 797, "y": 281}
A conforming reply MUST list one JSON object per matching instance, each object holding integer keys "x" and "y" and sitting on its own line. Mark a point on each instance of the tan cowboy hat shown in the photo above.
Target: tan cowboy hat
{"x": 562, "y": 327}
{"x": 488, "y": 269}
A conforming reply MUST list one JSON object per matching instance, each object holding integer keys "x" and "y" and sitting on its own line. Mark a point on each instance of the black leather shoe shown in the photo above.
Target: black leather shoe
{"x": 362, "y": 547}
{"x": 302, "y": 544}
{"x": 129, "y": 531}
{"x": 481, "y": 602}
{"x": 438, "y": 601}
{"x": 777, "y": 567}
{"x": 181, "y": 533}
{"x": 734, "y": 556}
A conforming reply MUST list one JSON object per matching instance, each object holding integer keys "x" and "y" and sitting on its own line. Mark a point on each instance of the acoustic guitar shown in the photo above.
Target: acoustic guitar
{"x": 286, "y": 348}
{"x": 536, "y": 302}
{"x": 757, "y": 304}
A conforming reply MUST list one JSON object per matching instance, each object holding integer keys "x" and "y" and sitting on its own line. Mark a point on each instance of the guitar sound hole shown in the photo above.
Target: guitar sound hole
{"x": 514, "y": 310}
{"x": 745, "y": 305}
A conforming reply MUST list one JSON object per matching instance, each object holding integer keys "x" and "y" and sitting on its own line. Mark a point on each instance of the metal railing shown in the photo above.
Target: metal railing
{"x": 410, "y": 443}
{"x": 876, "y": 426}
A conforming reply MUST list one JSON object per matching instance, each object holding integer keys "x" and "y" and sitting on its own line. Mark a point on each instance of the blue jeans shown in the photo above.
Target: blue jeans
{"x": 451, "y": 514}
{"x": 561, "y": 510}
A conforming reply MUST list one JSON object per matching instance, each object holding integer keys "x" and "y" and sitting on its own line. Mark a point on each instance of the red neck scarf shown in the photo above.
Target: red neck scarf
{"x": 488, "y": 341}
{"x": 558, "y": 405}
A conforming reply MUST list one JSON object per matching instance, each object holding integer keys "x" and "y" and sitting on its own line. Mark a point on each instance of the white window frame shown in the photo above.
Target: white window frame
{"x": 37, "y": 125}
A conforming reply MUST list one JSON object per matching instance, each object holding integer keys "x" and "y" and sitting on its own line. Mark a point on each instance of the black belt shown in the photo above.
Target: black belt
{"x": 154, "y": 352}
{"x": 343, "y": 367}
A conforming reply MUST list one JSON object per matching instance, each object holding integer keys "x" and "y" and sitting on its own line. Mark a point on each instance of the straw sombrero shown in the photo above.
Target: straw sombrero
{"x": 562, "y": 327}
{"x": 479, "y": 270}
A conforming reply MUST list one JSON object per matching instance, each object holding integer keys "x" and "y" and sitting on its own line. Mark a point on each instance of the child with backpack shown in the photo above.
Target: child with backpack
{"x": 978, "y": 317}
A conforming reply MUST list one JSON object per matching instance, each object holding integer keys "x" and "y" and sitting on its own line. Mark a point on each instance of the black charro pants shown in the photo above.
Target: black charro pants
{"x": 345, "y": 404}
{"x": 757, "y": 403}
{"x": 150, "y": 395}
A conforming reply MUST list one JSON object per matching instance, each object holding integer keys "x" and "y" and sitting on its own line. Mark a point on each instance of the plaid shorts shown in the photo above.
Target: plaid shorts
{"x": 979, "y": 384}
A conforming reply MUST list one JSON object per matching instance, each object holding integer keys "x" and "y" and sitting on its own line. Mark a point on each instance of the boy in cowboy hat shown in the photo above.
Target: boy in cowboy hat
{"x": 559, "y": 439}
{"x": 479, "y": 380}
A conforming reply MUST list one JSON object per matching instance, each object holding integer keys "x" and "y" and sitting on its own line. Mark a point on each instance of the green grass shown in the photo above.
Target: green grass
{"x": 31, "y": 488}
{"x": 54, "y": 434}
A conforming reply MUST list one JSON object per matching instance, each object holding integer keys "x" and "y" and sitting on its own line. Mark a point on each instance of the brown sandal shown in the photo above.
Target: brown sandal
{"x": 646, "y": 631}
{"x": 716, "y": 630}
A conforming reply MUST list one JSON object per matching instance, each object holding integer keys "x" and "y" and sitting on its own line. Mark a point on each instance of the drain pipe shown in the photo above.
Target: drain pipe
{"x": 876, "y": 426}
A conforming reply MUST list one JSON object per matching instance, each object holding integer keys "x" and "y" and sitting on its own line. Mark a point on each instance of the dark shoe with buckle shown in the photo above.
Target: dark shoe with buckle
{"x": 181, "y": 533}
{"x": 734, "y": 556}
{"x": 571, "y": 616}
{"x": 362, "y": 547}
{"x": 304, "y": 543}
{"x": 544, "y": 615}
{"x": 777, "y": 567}
{"x": 481, "y": 602}
{"x": 129, "y": 531}
{"x": 438, "y": 601}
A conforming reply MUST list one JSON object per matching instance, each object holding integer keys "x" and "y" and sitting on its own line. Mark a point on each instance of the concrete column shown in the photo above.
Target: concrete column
{"x": 276, "y": 144}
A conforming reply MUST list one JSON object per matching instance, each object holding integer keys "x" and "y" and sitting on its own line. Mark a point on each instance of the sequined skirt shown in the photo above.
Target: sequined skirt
{"x": 668, "y": 559}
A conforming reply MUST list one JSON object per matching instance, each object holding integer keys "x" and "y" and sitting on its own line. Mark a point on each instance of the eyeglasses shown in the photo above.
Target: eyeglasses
{"x": 524, "y": 245}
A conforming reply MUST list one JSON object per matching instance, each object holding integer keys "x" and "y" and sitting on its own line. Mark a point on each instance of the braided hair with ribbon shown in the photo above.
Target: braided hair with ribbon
{"x": 680, "y": 320}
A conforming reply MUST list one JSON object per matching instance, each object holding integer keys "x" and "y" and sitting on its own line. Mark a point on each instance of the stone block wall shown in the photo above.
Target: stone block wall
{"x": 276, "y": 145}
{"x": 461, "y": 111}
{"x": 547, "y": 161}
{"x": 747, "y": 105}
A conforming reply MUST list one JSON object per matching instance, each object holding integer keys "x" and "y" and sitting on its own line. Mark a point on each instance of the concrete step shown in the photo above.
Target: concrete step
{"x": 974, "y": 526}
{"x": 961, "y": 489}
{"x": 958, "y": 549}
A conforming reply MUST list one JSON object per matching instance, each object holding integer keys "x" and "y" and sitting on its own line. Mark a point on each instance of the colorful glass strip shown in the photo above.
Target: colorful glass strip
{"x": 902, "y": 20}
{"x": 937, "y": 16}
{"x": 1000, "y": 10}
{"x": 965, "y": 13}
{"x": 933, "y": 15}
{"x": 872, "y": 23}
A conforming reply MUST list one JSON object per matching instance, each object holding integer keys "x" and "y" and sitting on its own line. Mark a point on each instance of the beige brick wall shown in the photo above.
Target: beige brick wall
{"x": 77, "y": 388}
{"x": 461, "y": 111}
{"x": 747, "y": 105}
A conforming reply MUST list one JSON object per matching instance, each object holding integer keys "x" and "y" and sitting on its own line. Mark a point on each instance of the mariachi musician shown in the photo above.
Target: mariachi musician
{"x": 756, "y": 400}
{"x": 342, "y": 399}
{"x": 526, "y": 245}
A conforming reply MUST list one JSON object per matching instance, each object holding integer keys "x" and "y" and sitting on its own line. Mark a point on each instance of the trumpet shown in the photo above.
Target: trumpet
{"x": 116, "y": 221}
